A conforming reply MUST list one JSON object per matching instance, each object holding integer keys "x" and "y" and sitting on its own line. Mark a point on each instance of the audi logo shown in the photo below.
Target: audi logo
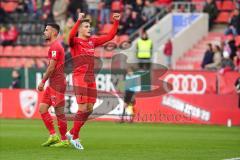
{"x": 186, "y": 84}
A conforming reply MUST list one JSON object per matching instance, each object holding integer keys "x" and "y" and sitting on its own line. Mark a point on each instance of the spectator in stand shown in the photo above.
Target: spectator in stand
{"x": 3, "y": 16}
{"x": 129, "y": 2}
{"x": 3, "y": 31}
{"x": 76, "y": 7}
{"x": 123, "y": 26}
{"x": 30, "y": 6}
{"x": 138, "y": 6}
{"x": 46, "y": 11}
{"x": 134, "y": 22}
{"x": 233, "y": 48}
{"x": 234, "y": 24}
{"x": 236, "y": 60}
{"x": 60, "y": 12}
{"x": 22, "y": 6}
{"x": 227, "y": 63}
{"x": 212, "y": 10}
{"x": 16, "y": 79}
{"x": 66, "y": 30}
{"x": 38, "y": 8}
{"x": 105, "y": 8}
{"x": 237, "y": 3}
{"x": 208, "y": 56}
{"x": 168, "y": 48}
{"x": 217, "y": 58}
{"x": 93, "y": 11}
{"x": 9, "y": 37}
{"x": 149, "y": 10}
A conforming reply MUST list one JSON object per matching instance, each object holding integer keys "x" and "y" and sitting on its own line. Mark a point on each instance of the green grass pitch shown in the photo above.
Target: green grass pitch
{"x": 21, "y": 139}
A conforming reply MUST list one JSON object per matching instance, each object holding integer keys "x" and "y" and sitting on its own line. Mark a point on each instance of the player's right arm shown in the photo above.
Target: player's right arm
{"x": 74, "y": 30}
{"x": 54, "y": 57}
{"x": 48, "y": 73}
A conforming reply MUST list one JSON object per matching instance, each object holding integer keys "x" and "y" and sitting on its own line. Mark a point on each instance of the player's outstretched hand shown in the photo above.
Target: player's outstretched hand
{"x": 80, "y": 16}
{"x": 116, "y": 16}
{"x": 41, "y": 86}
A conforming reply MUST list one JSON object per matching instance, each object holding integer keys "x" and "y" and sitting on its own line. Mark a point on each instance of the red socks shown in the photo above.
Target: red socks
{"x": 62, "y": 125}
{"x": 79, "y": 120}
{"x": 48, "y": 121}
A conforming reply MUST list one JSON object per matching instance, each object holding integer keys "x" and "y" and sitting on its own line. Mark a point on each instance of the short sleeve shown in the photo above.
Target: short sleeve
{"x": 54, "y": 53}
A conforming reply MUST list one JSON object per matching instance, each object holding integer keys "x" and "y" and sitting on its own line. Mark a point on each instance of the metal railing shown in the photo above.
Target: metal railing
{"x": 188, "y": 6}
{"x": 153, "y": 20}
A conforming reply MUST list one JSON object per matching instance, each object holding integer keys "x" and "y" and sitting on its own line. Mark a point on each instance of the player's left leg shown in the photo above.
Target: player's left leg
{"x": 79, "y": 120}
{"x": 62, "y": 126}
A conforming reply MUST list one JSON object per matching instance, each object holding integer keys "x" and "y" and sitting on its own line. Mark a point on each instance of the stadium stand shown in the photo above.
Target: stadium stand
{"x": 30, "y": 18}
{"x": 30, "y": 24}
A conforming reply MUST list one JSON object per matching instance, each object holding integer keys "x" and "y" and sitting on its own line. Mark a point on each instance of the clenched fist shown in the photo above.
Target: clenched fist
{"x": 116, "y": 16}
{"x": 80, "y": 16}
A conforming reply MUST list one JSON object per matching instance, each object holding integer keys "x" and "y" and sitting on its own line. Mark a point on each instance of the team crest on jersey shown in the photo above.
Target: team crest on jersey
{"x": 90, "y": 43}
{"x": 54, "y": 53}
{"x": 28, "y": 102}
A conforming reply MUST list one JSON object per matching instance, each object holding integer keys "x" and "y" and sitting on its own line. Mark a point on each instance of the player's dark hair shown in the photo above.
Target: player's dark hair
{"x": 55, "y": 26}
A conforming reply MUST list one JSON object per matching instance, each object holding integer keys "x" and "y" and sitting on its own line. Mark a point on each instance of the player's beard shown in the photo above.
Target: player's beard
{"x": 46, "y": 38}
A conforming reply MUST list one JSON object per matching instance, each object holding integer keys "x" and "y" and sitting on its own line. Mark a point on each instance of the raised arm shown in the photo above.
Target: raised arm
{"x": 105, "y": 38}
{"x": 74, "y": 30}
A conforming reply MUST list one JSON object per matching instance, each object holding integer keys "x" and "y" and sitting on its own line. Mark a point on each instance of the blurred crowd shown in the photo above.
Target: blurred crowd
{"x": 224, "y": 57}
{"x": 234, "y": 24}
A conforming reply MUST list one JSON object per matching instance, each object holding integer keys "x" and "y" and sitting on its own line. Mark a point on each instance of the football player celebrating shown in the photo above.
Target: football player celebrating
{"x": 82, "y": 51}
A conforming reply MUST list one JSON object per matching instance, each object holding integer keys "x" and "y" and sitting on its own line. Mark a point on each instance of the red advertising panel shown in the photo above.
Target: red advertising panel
{"x": 199, "y": 109}
{"x": 19, "y": 103}
{"x": 193, "y": 97}
{"x": 227, "y": 81}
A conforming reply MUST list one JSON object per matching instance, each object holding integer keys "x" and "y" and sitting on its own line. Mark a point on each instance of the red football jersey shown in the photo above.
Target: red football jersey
{"x": 82, "y": 51}
{"x": 56, "y": 52}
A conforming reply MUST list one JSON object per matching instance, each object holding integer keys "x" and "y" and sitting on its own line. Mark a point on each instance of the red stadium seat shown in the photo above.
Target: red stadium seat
{"x": 123, "y": 38}
{"x": 106, "y": 28}
{"x": 39, "y": 51}
{"x": 227, "y": 37}
{"x": 1, "y": 50}
{"x": 228, "y": 5}
{"x": 223, "y": 17}
{"x": 115, "y": 39}
{"x": 29, "y": 51}
{"x": 18, "y": 51}
{"x": 9, "y": 6}
{"x": 198, "y": 1}
{"x": 237, "y": 39}
{"x": 116, "y": 6}
{"x": 8, "y": 51}
{"x": 219, "y": 5}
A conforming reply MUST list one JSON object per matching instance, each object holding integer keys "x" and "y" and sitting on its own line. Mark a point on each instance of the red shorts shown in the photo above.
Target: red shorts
{"x": 85, "y": 92}
{"x": 53, "y": 97}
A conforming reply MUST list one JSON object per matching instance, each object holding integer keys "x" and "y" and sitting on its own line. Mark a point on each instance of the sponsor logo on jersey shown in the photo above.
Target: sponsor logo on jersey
{"x": 54, "y": 53}
{"x": 90, "y": 43}
{"x": 28, "y": 102}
